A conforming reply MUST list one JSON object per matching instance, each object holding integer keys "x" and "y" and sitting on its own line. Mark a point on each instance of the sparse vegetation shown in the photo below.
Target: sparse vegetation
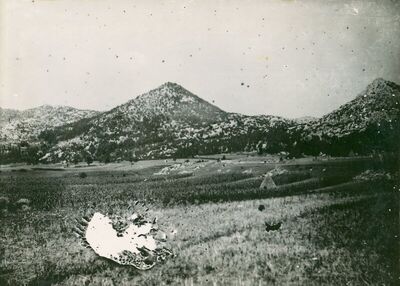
{"x": 89, "y": 160}
{"x": 314, "y": 245}
{"x": 82, "y": 175}
{"x": 146, "y": 128}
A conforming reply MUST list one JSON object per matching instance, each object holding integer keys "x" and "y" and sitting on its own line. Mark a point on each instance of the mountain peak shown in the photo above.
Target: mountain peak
{"x": 380, "y": 87}
{"x": 170, "y": 84}
{"x": 382, "y": 81}
{"x": 172, "y": 88}
{"x": 48, "y": 107}
{"x": 379, "y": 80}
{"x": 378, "y": 83}
{"x": 44, "y": 106}
{"x": 171, "y": 91}
{"x": 169, "y": 100}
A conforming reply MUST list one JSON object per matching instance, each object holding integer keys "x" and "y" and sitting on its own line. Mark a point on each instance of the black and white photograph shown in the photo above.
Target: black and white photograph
{"x": 199, "y": 142}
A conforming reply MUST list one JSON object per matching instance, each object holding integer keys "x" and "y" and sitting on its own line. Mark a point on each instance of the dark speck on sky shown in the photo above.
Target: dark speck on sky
{"x": 309, "y": 49}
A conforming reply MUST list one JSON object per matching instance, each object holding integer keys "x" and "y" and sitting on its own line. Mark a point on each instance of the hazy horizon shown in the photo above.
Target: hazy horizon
{"x": 285, "y": 58}
{"x": 58, "y": 105}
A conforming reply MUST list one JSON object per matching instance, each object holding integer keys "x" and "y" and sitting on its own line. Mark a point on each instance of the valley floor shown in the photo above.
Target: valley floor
{"x": 335, "y": 230}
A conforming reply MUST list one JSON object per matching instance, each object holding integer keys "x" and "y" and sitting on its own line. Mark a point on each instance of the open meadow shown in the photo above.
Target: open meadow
{"x": 337, "y": 228}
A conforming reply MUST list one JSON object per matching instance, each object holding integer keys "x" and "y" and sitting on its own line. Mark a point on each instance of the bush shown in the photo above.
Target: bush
{"x": 4, "y": 204}
{"x": 37, "y": 192}
{"x": 23, "y": 204}
{"x": 89, "y": 160}
{"x": 82, "y": 175}
{"x": 23, "y": 201}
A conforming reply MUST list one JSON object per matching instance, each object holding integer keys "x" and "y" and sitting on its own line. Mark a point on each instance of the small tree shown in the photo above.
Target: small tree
{"x": 82, "y": 175}
{"x": 132, "y": 158}
{"x": 76, "y": 159}
{"x": 259, "y": 148}
{"x": 92, "y": 149}
{"x": 89, "y": 160}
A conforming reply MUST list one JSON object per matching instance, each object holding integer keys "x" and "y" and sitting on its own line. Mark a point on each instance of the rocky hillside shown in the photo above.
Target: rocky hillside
{"x": 170, "y": 121}
{"x": 171, "y": 101}
{"x": 8, "y": 115}
{"x": 370, "y": 121}
{"x": 18, "y": 126}
{"x": 305, "y": 119}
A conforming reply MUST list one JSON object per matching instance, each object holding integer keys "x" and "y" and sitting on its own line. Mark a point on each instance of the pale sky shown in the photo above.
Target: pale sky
{"x": 287, "y": 58}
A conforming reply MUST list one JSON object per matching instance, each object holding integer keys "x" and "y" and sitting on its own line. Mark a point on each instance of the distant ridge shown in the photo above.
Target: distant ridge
{"x": 26, "y": 125}
{"x": 170, "y": 121}
{"x": 369, "y": 122}
{"x": 305, "y": 119}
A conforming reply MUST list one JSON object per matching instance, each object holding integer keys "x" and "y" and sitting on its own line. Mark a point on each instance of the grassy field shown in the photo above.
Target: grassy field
{"x": 334, "y": 230}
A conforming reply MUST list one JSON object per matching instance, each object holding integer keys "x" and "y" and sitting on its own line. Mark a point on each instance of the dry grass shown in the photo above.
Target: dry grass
{"x": 325, "y": 239}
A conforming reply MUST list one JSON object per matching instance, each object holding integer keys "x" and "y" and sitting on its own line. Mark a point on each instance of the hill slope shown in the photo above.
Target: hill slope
{"x": 170, "y": 121}
{"x": 368, "y": 122}
{"x": 17, "y": 126}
